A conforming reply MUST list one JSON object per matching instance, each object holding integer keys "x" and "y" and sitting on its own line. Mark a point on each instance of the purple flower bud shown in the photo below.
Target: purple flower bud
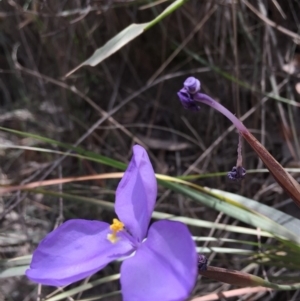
{"x": 192, "y": 85}
{"x": 190, "y": 95}
{"x": 187, "y": 101}
{"x": 202, "y": 262}
{"x": 237, "y": 173}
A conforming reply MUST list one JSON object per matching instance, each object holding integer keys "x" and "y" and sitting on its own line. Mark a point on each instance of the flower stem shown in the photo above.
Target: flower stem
{"x": 239, "y": 161}
{"x": 201, "y": 97}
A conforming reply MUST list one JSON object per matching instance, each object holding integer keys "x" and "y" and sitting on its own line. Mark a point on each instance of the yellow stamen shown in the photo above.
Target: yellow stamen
{"x": 115, "y": 227}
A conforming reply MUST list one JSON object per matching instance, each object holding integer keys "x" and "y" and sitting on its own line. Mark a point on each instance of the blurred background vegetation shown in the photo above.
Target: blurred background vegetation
{"x": 245, "y": 53}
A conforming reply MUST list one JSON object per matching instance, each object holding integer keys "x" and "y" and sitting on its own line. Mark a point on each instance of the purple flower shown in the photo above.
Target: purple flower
{"x": 163, "y": 262}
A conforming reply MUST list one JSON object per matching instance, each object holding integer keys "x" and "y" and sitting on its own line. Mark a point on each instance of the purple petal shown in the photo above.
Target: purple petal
{"x": 73, "y": 251}
{"x": 136, "y": 194}
{"x": 187, "y": 100}
{"x": 192, "y": 85}
{"x": 164, "y": 266}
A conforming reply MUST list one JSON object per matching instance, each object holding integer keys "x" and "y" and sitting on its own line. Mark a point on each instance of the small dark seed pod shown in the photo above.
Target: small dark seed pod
{"x": 202, "y": 262}
{"x": 237, "y": 173}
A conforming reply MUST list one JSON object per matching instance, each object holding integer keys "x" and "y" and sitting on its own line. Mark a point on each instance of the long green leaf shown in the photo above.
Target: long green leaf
{"x": 84, "y": 287}
{"x": 86, "y": 154}
{"x": 14, "y": 267}
{"x": 222, "y": 250}
{"x": 22, "y": 260}
{"x": 160, "y": 215}
{"x": 286, "y": 220}
{"x": 124, "y": 37}
{"x": 13, "y": 271}
{"x": 235, "y": 212}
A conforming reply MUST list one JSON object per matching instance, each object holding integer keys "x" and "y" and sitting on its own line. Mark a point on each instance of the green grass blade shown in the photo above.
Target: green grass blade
{"x": 124, "y": 37}
{"x": 222, "y": 250}
{"x": 235, "y": 212}
{"x": 86, "y": 154}
{"x": 84, "y": 287}
{"x": 160, "y": 215}
{"x": 286, "y": 220}
{"x": 13, "y": 271}
{"x": 14, "y": 267}
{"x": 229, "y": 240}
{"x": 17, "y": 261}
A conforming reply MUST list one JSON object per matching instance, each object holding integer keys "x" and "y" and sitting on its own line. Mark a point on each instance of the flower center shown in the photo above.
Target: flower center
{"x": 115, "y": 227}
{"x": 118, "y": 231}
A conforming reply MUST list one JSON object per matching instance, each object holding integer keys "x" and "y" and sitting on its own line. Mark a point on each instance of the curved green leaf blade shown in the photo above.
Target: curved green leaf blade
{"x": 235, "y": 212}
{"x": 286, "y": 220}
{"x": 84, "y": 287}
{"x": 85, "y": 154}
{"x": 14, "y": 267}
{"x": 124, "y": 37}
{"x": 112, "y": 46}
{"x": 13, "y": 271}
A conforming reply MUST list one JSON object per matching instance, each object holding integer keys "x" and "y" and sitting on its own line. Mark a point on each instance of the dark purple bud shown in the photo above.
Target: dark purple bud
{"x": 192, "y": 85}
{"x": 237, "y": 173}
{"x": 202, "y": 262}
{"x": 187, "y": 100}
